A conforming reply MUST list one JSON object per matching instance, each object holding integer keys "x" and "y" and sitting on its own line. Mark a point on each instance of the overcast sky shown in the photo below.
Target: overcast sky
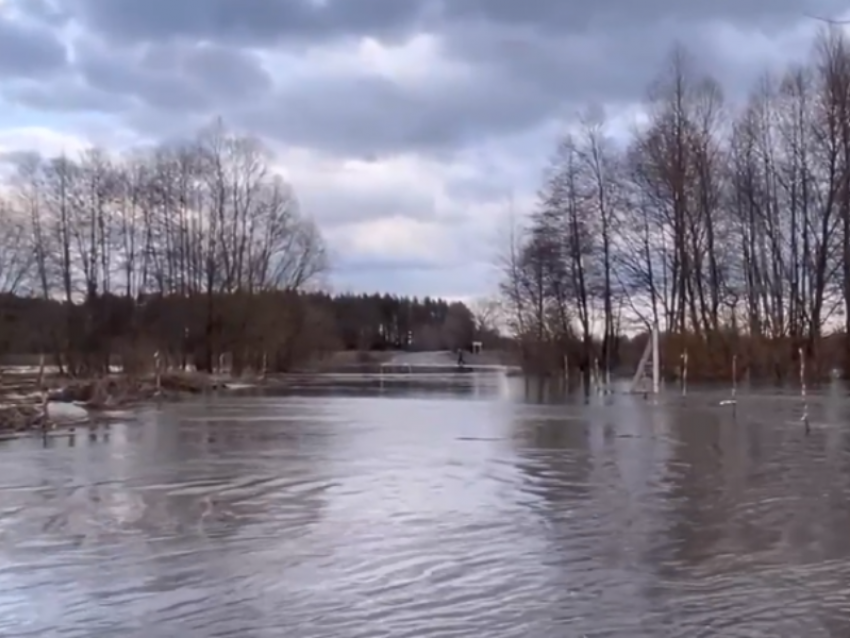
{"x": 405, "y": 126}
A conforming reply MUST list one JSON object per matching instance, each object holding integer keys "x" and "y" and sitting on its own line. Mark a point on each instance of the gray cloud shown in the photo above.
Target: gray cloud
{"x": 49, "y": 12}
{"x": 66, "y": 94}
{"x": 163, "y": 67}
{"x": 174, "y": 77}
{"x": 346, "y": 204}
{"x": 465, "y": 280}
{"x": 248, "y": 22}
{"x": 276, "y": 21}
{"x": 363, "y": 115}
{"x": 529, "y": 61}
{"x": 13, "y": 159}
{"x": 372, "y": 265}
{"x": 582, "y": 17}
{"x": 28, "y": 50}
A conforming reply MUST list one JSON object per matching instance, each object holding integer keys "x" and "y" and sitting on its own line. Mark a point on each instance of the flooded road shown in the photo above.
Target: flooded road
{"x": 472, "y": 509}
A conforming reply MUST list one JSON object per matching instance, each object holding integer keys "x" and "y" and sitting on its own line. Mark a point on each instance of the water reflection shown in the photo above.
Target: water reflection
{"x": 434, "y": 510}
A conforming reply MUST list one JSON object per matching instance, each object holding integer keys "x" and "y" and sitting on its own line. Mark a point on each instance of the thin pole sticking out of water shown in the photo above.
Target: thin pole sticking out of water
{"x": 157, "y": 367}
{"x": 41, "y": 370}
{"x": 805, "y": 417}
{"x": 685, "y": 373}
{"x": 733, "y": 401}
{"x": 656, "y": 364}
{"x": 734, "y": 374}
{"x": 45, "y": 397}
{"x": 734, "y": 384}
{"x": 596, "y": 375}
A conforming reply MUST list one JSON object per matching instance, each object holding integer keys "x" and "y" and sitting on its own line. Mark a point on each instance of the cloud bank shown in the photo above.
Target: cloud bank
{"x": 405, "y": 127}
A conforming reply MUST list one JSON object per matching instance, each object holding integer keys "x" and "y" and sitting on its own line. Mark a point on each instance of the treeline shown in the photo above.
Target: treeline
{"x": 382, "y": 322}
{"x": 192, "y": 249}
{"x": 727, "y": 227}
{"x": 299, "y": 326}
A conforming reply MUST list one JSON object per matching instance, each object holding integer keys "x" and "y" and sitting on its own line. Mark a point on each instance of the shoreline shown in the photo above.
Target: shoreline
{"x": 30, "y": 405}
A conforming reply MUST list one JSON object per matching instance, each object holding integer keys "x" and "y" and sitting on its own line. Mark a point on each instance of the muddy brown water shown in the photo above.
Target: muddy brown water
{"x": 475, "y": 506}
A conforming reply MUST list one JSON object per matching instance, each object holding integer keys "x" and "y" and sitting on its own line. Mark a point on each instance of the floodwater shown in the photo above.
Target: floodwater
{"x": 477, "y": 507}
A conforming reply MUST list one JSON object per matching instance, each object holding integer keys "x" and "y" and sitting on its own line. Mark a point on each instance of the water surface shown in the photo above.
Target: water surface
{"x": 472, "y": 507}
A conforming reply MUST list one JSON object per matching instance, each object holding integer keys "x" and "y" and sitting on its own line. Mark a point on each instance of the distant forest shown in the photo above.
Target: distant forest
{"x": 285, "y": 328}
{"x": 195, "y": 249}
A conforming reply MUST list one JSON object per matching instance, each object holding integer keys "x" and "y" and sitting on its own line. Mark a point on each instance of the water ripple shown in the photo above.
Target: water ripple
{"x": 364, "y": 517}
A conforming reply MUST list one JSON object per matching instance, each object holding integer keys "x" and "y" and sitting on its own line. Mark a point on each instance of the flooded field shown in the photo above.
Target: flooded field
{"x": 405, "y": 508}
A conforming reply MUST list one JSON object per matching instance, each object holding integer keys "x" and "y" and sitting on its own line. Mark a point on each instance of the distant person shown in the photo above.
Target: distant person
{"x": 459, "y": 357}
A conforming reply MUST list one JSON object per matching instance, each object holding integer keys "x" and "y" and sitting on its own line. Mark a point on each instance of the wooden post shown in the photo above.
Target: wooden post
{"x": 685, "y": 373}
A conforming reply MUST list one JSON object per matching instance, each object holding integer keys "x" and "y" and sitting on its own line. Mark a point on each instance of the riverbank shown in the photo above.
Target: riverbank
{"x": 29, "y": 403}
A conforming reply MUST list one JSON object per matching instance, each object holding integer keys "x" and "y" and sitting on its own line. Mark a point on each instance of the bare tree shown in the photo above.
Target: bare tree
{"x": 194, "y": 241}
{"x": 721, "y": 226}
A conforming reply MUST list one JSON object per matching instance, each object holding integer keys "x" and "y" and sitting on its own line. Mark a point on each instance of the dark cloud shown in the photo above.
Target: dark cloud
{"x": 161, "y": 68}
{"x": 579, "y": 17}
{"x": 275, "y": 21}
{"x": 193, "y": 77}
{"x": 14, "y": 159}
{"x": 527, "y": 62}
{"x": 250, "y": 22}
{"x": 369, "y": 114}
{"x": 49, "y": 12}
{"x": 28, "y": 50}
{"x": 66, "y": 94}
